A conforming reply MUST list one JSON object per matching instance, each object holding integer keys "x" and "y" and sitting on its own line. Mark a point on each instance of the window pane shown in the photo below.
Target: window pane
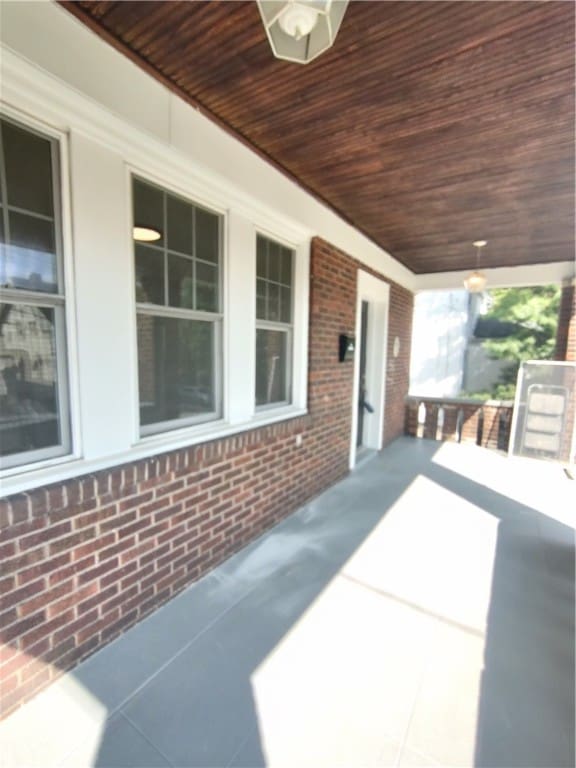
{"x": 261, "y": 299}
{"x": 206, "y": 287}
{"x": 149, "y": 275}
{"x": 181, "y": 281}
{"x": 176, "y": 368}
{"x": 29, "y": 409}
{"x": 149, "y": 208}
{"x": 271, "y": 367}
{"x": 286, "y": 268}
{"x": 207, "y": 235}
{"x": 273, "y": 302}
{"x": 29, "y": 261}
{"x": 274, "y": 261}
{"x": 285, "y": 305}
{"x": 261, "y": 257}
{"x": 179, "y": 226}
{"x": 28, "y": 161}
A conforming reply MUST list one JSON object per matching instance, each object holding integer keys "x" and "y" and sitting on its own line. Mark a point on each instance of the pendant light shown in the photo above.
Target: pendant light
{"x": 476, "y": 281}
{"x": 300, "y": 30}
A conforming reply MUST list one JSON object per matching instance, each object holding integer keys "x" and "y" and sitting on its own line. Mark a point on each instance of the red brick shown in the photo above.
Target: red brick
{"x": 44, "y": 598}
{"x": 193, "y": 507}
{"x": 20, "y": 595}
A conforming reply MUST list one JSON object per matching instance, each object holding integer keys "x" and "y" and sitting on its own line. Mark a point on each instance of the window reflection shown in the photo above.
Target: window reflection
{"x": 28, "y": 379}
{"x": 175, "y": 368}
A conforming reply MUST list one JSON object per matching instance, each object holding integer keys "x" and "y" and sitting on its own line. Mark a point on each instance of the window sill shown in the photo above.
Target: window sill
{"x": 18, "y": 480}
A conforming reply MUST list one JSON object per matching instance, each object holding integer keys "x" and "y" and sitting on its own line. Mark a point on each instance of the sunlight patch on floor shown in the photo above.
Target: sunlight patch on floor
{"x": 374, "y": 667}
{"x": 540, "y": 485}
{"x": 434, "y": 550}
{"x": 65, "y": 714}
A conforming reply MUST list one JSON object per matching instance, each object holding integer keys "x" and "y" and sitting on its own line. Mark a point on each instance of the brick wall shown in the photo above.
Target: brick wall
{"x": 397, "y": 368}
{"x": 84, "y": 560}
{"x": 566, "y": 333}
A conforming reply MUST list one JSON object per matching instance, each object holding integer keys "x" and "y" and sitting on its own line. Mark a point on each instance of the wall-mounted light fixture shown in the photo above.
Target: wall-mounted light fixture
{"x": 346, "y": 347}
{"x": 476, "y": 281}
{"x": 145, "y": 234}
{"x": 300, "y": 30}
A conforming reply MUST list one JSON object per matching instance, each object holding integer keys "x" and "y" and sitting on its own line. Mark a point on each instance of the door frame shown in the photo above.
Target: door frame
{"x": 377, "y": 293}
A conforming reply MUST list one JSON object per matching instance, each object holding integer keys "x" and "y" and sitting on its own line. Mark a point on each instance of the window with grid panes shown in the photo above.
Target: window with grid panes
{"x": 274, "y": 300}
{"x": 34, "y": 412}
{"x": 179, "y": 319}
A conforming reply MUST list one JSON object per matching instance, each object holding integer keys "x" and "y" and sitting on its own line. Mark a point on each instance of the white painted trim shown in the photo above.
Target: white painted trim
{"x": 118, "y": 440}
{"x": 502, "y": 277}
{"x": 59, "y": 470}
{"x": 377, "y": 293}
{"x": 70, "y": 388}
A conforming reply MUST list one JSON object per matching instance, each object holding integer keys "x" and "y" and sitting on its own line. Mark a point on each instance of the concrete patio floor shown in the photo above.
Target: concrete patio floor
{"x": 419, "y": 613}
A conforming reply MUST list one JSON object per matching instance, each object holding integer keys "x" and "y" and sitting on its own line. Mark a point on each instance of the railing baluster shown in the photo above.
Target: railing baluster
{"x": 421, "y": 420}
{"x": 440, "y": 423}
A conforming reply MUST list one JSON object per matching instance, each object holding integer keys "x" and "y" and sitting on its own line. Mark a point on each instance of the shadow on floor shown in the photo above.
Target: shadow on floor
{"x": 526, "y": 709}
{"x": 192, "y": 684}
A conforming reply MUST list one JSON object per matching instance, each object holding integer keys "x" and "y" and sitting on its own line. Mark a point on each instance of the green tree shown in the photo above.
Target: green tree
{"x": 534, "y": 313}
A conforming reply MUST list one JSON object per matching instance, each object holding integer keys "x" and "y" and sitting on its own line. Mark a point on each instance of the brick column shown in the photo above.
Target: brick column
{"x": 566, "y": 333}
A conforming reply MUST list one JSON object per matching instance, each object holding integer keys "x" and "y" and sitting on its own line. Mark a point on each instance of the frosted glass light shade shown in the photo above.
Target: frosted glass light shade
{"x": 300, "y": 30}
{"x": 475, "y": 282}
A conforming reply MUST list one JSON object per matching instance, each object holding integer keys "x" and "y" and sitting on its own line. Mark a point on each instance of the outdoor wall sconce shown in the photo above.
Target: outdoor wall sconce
{"x": 346, "y": 347}
{"x": 476, "y": 281}
{"x": 300, "y": 30}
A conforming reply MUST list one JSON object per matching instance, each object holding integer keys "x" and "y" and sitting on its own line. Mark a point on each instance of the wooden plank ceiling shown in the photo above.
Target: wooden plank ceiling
{"x": 427, "y": 126}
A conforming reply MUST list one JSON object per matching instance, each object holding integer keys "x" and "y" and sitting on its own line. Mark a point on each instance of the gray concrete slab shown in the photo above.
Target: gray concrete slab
{"x": 421, "y": 612}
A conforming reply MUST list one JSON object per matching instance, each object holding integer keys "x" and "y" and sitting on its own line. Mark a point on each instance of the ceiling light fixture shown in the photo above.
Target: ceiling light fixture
{"x": 476, "y": 281}
{"x": 145, "y": 234}
{"x": 300, "y": 30}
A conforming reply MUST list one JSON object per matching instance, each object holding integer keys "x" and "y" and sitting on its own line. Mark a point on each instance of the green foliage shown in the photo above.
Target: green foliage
{"x": 534, "y": 311}
{"x": 499, "y": 392}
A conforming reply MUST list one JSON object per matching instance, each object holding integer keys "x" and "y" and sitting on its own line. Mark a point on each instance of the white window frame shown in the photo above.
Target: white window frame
{"x": 279, "y": 326}
{"x": 166, "y": 310}
{"x": 61, "y": 302}
{"x": 98, "y": 149}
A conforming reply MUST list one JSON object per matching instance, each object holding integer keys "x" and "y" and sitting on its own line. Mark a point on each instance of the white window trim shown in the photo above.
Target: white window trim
{"x": 166, "y": 310}
{"x": 66, "y": 361}
{"x": 236, "y": 417}
{"x": 281, "y": 326}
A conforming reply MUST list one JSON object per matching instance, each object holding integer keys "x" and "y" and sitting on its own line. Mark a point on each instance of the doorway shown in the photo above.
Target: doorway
{"x": 363, "y": 404}
{"x": 369, "y": 366}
